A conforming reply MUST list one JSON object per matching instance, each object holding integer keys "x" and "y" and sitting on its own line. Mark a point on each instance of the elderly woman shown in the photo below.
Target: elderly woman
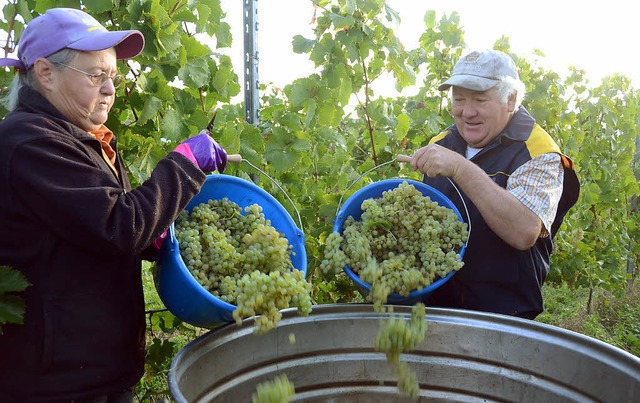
{"x": 69, "y": 220}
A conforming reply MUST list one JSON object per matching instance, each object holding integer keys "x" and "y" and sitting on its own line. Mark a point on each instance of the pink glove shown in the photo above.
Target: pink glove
{"x": 158, "y": 242}
{"x": 205, "y": 152}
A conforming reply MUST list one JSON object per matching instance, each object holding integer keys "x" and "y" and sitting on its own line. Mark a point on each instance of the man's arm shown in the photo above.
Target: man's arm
{"x": 507, "y": 216}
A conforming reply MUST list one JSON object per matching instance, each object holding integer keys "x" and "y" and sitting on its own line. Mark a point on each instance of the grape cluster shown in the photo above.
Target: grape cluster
{"x": 403, "y": 241}
{"x": 278, "y": 390}
{"x": 243, "y": 260}
{"x": 265, "y": 294}
{"x": 396, "y": 336}
{"x": 334, "y": 258}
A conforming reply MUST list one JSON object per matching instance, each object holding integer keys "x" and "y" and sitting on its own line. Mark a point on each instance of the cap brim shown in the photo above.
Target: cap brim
{"x": 469, "y": 82}
{"x": 128, "y": 44}
{"x": 8, "y": 62}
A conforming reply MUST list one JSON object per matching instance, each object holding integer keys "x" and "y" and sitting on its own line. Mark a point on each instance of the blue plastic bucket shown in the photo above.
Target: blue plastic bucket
{"x": 352, "y": 208}
{"x": 181, "y": 293}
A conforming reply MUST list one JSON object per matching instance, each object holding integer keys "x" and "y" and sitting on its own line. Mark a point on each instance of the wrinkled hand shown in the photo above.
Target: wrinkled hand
{"x": 434, "y": 160}
{"x": 209, "y": 155}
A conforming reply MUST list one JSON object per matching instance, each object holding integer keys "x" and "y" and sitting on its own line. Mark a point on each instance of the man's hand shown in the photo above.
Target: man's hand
{"x": 434, "y": 160}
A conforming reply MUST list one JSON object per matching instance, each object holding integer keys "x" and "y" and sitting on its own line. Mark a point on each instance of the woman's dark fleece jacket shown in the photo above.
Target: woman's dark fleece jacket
{"x": 79, "y": 234}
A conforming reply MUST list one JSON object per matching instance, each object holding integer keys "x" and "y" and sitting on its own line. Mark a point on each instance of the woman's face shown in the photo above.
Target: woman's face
{"x": 75, "y": 95}
{"x": 480, "y": 116}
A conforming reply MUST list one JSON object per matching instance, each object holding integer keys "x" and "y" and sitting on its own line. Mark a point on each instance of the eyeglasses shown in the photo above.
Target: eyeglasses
{"x": 98, "y": 79}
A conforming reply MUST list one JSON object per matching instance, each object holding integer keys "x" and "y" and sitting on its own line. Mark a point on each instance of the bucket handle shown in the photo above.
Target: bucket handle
{"x": 360, "y": 177}
{"x": 237, "y": 158}
{"x": 406, "y": 158}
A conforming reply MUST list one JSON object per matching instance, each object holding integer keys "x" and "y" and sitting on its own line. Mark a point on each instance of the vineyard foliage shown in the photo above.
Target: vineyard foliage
{"x": 319, "y": 134}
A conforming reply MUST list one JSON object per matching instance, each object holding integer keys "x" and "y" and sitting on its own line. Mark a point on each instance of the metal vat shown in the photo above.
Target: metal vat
{"x": 467, "y": 356}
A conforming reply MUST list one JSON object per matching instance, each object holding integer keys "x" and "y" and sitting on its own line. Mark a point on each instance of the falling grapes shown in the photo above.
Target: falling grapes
{"x": 403, "y": 241}
{"x": 397, "y": 335}
{"x": 243, "y": 260}
{"x": 277, "y": 390}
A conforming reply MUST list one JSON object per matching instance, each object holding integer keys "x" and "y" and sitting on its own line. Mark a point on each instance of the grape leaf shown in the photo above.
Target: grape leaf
{"x": 12, "y": 280}
{"x": 375, "y": 223}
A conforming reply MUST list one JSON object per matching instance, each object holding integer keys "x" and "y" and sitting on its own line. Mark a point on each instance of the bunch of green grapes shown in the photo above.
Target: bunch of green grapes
{"x": 266, "y": 294}
{"x": 278, "y": 390}
{"x": 403, "y": 241}
{"x": 396, "y": 336}
{"x": 334, "y": 258}
{"x": 243, "y": 260}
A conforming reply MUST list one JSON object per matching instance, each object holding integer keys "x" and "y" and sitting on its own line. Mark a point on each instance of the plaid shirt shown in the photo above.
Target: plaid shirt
{"x": 538, "y": 185}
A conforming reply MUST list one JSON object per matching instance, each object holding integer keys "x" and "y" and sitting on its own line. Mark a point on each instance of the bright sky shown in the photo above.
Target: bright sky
{"x": 599, "y": 37}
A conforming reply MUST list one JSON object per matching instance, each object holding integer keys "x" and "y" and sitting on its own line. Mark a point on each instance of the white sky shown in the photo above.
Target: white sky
{"x": 600, "y": 37}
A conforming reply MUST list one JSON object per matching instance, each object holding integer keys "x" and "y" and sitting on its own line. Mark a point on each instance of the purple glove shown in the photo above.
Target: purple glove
{"x": 208, "y": 154}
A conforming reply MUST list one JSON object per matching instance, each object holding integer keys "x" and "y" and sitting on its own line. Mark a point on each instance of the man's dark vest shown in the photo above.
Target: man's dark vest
{"x": 496, "y": 277}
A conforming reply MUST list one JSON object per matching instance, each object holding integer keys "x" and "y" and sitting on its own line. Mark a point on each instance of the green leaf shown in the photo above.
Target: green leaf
{"x": 195, "y": 74}
{"x": 378, "y": 223}
{"x": 172, "y": 125}
{"x": 300, "y": 44}
{"x": 298, "y": 92}
{"x": 404, "y": 123}
{"x": 282, "y": 160}
{"x": 97, "y": 6}
{"x": 380, "y": 138}
{"x": 345, "y": 91}
{"x": 301, "y": 145}
{"x": 430, "y": 19}
{"x": 12, "y": 280}
{"x": 225, "y": 80}
{"x": 11, "y": 310}
{"x": 341, "y": 21}
{"x": 252, "y": 144}
{"x": 350, "y": 7}
{"x": 194, "y": 48}
{"x": 311, "y": 112}
{"x": 11, "y": 306}
{"x": 151, "y": 108}
{"x": 185, "y": 102}
{"x": 327, "y": 113}
{"x": 279, "y": 150}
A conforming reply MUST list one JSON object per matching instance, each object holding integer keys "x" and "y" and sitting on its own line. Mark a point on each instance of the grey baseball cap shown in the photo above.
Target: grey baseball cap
{"x": 481, "y": 70}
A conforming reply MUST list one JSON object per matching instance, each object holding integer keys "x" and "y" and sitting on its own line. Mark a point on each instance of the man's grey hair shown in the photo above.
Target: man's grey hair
{"x": 507, "y": 86}
{"x": 28, "y": 78}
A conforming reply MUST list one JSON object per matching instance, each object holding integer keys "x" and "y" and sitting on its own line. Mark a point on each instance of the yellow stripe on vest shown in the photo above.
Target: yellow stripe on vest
{"x": 540, "y": 142}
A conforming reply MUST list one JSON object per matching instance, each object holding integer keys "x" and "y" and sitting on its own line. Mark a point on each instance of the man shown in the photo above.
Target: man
{"x": 516, "y": 184}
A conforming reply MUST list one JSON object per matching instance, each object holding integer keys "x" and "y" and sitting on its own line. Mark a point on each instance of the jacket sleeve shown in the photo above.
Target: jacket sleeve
{"x": 64, "y": 188}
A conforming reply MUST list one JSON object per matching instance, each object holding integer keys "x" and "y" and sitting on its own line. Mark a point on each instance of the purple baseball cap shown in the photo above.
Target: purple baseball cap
{"x": 481, "y": 70}
{"x": 60, "y": 28}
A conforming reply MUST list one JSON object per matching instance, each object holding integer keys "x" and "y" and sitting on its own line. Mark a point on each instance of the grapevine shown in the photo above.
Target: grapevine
{"x": 243, "y": 260}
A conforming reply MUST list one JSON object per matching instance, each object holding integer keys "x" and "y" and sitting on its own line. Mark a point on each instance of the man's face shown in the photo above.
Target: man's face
{"x": 480, "y": 116}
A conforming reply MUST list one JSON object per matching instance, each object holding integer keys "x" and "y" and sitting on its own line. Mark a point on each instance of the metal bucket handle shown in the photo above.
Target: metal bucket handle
{"x": 405, "y": 158}
{"x": 237, "y": 158}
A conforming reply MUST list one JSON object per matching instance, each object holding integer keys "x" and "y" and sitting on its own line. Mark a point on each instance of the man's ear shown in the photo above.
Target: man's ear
{"x": 511, "y": 102}
{"x": 44, "y": 73}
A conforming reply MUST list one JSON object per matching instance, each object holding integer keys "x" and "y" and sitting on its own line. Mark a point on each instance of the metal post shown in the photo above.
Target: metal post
{"x": 251, "y": 83}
